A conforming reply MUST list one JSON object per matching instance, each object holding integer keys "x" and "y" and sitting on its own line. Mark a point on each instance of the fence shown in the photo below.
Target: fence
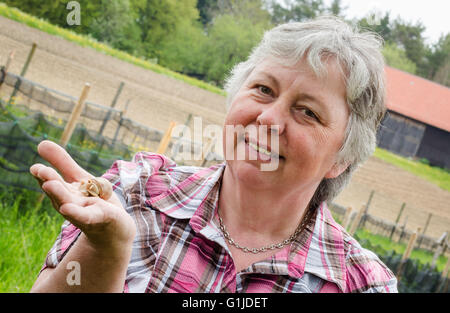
{"x": 107, "y": 123}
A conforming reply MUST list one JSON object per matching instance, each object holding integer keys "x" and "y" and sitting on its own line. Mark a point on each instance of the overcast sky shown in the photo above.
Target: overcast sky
{"x": 434, "y": 14}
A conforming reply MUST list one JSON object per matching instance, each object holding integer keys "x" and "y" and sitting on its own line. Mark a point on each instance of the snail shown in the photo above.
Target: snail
{"x": 96, "y": 187}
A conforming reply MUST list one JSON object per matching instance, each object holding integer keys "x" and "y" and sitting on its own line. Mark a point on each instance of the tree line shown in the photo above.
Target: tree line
{"x": 205, "y": 38}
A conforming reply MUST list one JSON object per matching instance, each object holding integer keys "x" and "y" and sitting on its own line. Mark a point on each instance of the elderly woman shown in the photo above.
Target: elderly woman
{"x": 316, "y": 87}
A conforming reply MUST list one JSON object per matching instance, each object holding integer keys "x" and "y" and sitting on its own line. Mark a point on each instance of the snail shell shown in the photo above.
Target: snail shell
{"x": 96, "y": 187}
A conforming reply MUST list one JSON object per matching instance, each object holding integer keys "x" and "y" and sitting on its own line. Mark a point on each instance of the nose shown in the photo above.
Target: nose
{"x": 273, "y": 117}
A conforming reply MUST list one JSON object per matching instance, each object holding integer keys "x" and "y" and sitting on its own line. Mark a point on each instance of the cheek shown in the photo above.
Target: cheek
{"x": 243, "y": 111}
{"x": 309, "y": 144}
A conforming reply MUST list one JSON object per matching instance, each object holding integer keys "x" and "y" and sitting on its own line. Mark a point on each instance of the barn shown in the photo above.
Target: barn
{"x": 417, "y": 123}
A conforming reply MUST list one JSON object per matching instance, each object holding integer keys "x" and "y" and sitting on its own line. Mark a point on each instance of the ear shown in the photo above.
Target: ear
{"x": 336, "y": 170}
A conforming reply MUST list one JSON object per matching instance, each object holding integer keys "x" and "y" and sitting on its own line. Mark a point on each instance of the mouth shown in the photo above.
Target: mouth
{"x": 265, "y": 153}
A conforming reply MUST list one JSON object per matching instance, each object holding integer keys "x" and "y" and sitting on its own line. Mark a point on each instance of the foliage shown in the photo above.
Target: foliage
{"x": 116, "y": 26}
{"x": 439, "y": 57}
{"x": 56, "y": 11}
{"x": 410, "y": 37}
{"x": 29, "y": 229}
{"x": 184, "y": 50}
{"x": 417, "y": 274}
{"x": 207, "y": 9}
{"x": 396, "y": 57}
{"x": 157, "y": 19}
{"x": 230, "y": 41}
{"x": 296, "y": 10}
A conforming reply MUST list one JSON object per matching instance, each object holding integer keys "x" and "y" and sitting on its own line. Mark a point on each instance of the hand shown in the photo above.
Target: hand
{"x": 105, "y": 223}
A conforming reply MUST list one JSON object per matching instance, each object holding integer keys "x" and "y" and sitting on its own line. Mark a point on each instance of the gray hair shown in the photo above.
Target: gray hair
{"x": 362, "y": 65}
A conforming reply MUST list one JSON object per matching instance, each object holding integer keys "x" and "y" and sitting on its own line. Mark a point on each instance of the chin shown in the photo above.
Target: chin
{"x": 249, "y": 173}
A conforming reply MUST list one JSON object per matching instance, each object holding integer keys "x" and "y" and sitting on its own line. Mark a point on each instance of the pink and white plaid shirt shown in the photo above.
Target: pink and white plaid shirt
{"x": 179, "y": 248}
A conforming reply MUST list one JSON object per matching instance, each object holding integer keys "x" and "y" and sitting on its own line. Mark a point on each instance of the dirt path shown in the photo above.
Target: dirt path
{"x": 156, "y": 100}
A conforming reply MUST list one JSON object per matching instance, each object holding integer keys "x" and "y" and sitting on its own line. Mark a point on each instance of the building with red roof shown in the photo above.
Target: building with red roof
{"x": 418, "y": 120}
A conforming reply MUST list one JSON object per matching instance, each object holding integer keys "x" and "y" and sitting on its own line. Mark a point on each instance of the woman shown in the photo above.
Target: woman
{"x": 315, "y": 87}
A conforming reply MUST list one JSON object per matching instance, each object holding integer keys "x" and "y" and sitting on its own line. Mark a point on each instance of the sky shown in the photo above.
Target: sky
{"x": 434, "y": 14}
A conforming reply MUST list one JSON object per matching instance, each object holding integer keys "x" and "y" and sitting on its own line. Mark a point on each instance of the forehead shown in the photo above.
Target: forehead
{"x": 330, "y": 80}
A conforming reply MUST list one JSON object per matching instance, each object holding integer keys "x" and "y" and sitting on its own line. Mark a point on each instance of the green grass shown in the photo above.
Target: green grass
{"x": 424, "y": 257}
{"x": 86, "y": 41}
{"x": 27, "y": 233}
{"x": 433, "y": 174}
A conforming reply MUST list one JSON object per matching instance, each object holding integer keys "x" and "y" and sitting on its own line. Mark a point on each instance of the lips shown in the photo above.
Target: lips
{"x": 264, "y": 150}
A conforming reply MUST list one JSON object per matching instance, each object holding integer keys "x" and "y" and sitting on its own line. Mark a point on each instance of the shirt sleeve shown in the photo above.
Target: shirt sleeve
{"x": 366, "y": 273}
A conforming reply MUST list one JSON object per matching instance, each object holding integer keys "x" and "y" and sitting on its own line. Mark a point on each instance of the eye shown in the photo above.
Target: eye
{"x": 306, "y": 112}
{"x": 265, "y": 90}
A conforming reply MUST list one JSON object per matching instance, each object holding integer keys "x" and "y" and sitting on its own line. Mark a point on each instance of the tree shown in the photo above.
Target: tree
{"x": 295, "y": 10}
{"x": 439, "y": 61}
{"x": 396, "y": 57}
{"x": 116, "y": 26}
{"x": 410, "y": 37}
{"x": 157, "y": 19}
{"x": 56, "y": 11}
{"x": 230, "y": 40}
{"x": 337, "y": 9}
{"x": 382, "y": 27}
{"x": 207, "y": 9}
{"x": 184, "y": 50}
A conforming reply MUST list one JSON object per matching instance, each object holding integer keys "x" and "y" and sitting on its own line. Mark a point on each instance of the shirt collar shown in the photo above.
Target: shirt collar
{"x": 318, "y": 250}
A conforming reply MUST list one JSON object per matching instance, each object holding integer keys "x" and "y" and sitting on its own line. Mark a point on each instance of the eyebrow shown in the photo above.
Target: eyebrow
{"x": 269, "y": 76}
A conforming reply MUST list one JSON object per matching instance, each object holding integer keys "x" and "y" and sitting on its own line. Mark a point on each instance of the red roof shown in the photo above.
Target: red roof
{"x": 418, "y": 98}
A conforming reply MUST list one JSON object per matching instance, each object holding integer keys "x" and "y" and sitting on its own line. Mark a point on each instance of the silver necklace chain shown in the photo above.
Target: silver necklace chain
{"x": 258, "y": 250}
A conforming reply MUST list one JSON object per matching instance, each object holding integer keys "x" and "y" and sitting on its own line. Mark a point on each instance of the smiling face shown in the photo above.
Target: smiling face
{"x": 310, "y": 115}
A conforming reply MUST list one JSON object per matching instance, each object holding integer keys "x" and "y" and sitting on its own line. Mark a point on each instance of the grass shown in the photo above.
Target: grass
{"x": 424, "y": 257}
{"x": 27, "y": 233}
{"x": 87, "y": 41}
{"x": 436, "y": 175}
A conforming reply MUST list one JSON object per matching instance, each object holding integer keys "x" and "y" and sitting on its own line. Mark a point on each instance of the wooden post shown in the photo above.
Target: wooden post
{"x": 207, "y": 148}
{"x": 76, "y": 112}
{"x": 6, "y": 67}
{"x": 366, "y": 210}
{"x": 424, "y": 229}
{"x": 397, "y": 220}
{"x": 446, "y": 268}
{"x": 410, "y": 246}
{"x": 113, "y": 104}
{"x": 439, "y": 249}
{"x": 355, "y": 224}
{"x": 407, "y": 253}
{"x": 122, "y": 114}
{"x": 403, "y": 229}
{"x": 164, "y": 143}
{"x": 177, "y": 144}
{"x": 445, "y": 277}
{"x": 23, "y": 72}
{"x": 346, "y": 219}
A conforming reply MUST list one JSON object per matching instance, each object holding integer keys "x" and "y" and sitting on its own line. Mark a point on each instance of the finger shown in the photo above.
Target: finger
{"x": 56, "y": 190}
{"x": 45, "y": 173}
{"x": 62, "y": 161}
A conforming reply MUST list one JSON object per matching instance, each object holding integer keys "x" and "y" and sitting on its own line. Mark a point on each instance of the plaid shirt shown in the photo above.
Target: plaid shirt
{"x": 179, "y": 248}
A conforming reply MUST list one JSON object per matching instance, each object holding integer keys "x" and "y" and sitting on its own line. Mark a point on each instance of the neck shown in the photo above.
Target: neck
{"x": 261, "y": 214}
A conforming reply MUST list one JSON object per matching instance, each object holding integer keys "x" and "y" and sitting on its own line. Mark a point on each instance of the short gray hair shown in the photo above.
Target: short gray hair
{"x": 362, "y": 65}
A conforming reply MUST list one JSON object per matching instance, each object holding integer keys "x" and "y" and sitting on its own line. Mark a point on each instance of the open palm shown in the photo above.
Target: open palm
{"x": 104, "y": 222}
